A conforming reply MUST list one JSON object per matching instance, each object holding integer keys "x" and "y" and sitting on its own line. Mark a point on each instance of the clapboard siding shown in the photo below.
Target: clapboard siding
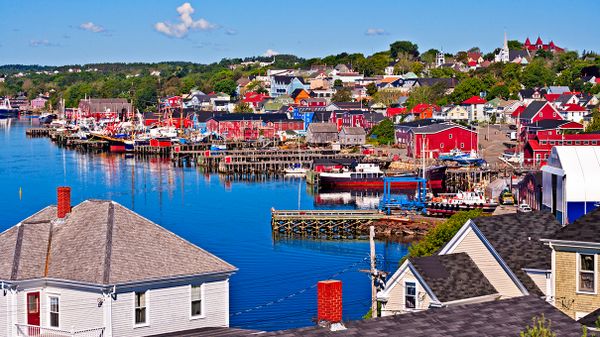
{"x": 4, "y": 312}
{"x": 540, "y": 281}
{"x": 168, "y": 310}
{"x": 395, "y": 303}
{"x": 489, "y": 266}
{"x": 79, "y": 309}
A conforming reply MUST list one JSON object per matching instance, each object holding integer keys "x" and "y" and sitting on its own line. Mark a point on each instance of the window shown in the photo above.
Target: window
{"x": 410, "y": 295}
{"x": 196, "y": 301}
{"x": 587, "y": 274}
{"x": 462, "y": 145}
{"x": 54, "y": 311}
{"x": 449, "y": 136}
{"x": 441, "y": 145}
{"x": 140, "y": 308}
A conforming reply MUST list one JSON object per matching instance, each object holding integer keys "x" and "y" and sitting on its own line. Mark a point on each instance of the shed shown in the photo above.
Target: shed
{"x": 322, "y": 133}
{"x": 352, "y": 136}
{"x": 570, "y": 183}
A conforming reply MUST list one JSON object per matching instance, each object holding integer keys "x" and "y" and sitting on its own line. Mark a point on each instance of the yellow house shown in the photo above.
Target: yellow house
{"x": 575, "y": 266}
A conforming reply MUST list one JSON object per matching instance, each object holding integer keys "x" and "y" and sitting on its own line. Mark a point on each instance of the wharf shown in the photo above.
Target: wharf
{"x": 38, "y": 132}
{"x": 347, "y": 224}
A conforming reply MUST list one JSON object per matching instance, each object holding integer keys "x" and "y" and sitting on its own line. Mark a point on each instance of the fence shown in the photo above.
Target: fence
{"x": 24, "y": 330}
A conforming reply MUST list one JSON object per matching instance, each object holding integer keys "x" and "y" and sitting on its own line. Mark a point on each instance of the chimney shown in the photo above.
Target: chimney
{"x": 64, "y": 201}
{"x": 329, "y": 301}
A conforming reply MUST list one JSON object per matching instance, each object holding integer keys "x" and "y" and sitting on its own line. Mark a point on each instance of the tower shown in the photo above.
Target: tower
{"x": 439, "y": 59}
{"x": 504, "y": 53}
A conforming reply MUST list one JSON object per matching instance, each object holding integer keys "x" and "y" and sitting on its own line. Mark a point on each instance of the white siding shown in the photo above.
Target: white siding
{"x": 4, "y": 312}
{"x": 487, "y": 263}
{"x": 395, "y": 303}
{"x": 540, "y": 280}
{"x": 169, "y": 309}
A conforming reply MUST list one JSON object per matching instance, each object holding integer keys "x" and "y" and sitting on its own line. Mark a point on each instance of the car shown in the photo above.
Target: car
{"x": 524, "y": 208}
{"x": 506, "y": 198}
{"x": 512, "y": 126}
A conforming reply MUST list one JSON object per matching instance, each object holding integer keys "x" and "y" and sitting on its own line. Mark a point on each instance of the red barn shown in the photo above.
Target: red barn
{"x": 352, "y": 118}
{"x": 548, "y": 127}
{"x": 249, "y": 126}
{"x": 538, "y": 150}
{"x": 440, "y": 138}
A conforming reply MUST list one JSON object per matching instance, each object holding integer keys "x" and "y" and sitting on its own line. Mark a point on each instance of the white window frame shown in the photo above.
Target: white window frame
{"x": 202, "y": 303}
{"x": 416, "y": 295}
{"x": 147, "y": 306}
{"x": 49, "y": 309}
{"x": 577, "y": 280}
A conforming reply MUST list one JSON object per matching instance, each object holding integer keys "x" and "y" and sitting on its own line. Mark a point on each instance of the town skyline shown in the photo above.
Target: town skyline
{"x": 205, "y": 32}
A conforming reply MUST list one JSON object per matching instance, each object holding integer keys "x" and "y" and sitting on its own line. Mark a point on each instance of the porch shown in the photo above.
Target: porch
{"x": 25, "y": 330}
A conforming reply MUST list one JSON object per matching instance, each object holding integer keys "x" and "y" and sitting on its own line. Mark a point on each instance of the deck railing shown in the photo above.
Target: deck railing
{"x": 25, "y": 330}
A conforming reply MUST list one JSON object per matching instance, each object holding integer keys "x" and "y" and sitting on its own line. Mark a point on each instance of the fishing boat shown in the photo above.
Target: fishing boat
{"x": 47, "y": 118}
{"x": 6, "y": 110}
{"x": 449, "y": 204}
{"x": 462, "y": 158}
{"x": 295, "y": 170}
{"x": 370, "y": 176}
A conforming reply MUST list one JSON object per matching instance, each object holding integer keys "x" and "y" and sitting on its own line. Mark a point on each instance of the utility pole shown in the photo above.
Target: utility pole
{"x": 373, "y": 273}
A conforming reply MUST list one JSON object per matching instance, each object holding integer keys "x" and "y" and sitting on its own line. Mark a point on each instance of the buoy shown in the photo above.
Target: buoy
{"x": 20, "y": 193}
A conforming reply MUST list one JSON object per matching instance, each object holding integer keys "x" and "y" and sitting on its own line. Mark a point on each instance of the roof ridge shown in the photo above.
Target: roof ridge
{"x": 109, "y": 234}
{"x": 47, "y": 263}
{"x": 17, "y": 256}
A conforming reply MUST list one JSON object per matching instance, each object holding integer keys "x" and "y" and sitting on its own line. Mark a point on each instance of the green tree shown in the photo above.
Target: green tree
{"x": 466, "y": 89}
{"x": 383, "y": 133}
{"x": 338, "y": 83}
{"x": 242, "y": 107}
{"x": 371, "y": 89}
{"x": 514, "y": 45}
{"x": 536, "y": 74}
{"x": 342, "y": 95}
{"x": 417, "y": 67}
{"x": 429, "y": 56}
{"x": 541, "y": 327}
{"x": 226, "y": 86}
{"x": 594, "y": 125}
{"x": 499, "y": 90}
{"x": 426, "y": 94}
{"x": 407, "y": 47}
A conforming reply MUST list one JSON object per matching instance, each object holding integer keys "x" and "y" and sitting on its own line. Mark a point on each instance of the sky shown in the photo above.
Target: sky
{"x": 63, "y": 32}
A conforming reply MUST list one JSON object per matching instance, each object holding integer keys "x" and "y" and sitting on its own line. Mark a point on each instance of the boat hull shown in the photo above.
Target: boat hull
{"x": 371, "y": 184}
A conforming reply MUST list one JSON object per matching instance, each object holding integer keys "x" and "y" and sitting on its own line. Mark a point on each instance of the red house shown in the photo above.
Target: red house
{"x": 538, "y": 150}
{"x": 440, "y": 138}
{"x": 537, "y": 111}
{"x": 423, "y": 110}
{"x": 249, "y": 126}
{"x": 539, "y": 45}
{"x": 353, "y": 118}
{"x": 254, "y": 99}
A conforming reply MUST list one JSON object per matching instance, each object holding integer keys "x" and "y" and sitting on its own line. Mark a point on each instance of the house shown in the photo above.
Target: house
{"x": 39, "y": 102}
{"x": 575, "y": 266}
{"x": 433, "y": 282}
{"x": 528, "y": 95}
{"x": 100, "y": 269}
{"x": 370, "y": 119}
{"x": 573, "y": 112}
{"x": 347, "y": 106}
{"x": 300, "y": 96}
{"x": 440, "y": 138}
{"x": 538, "y": 150}
{"x": 474, "y": 107}
{"x": 352, "y": 136}
{"x": 424, "y": 110}
{"x": 99, "y": 108}
{"x": 537, "y": 111}
{"x": 321, "y": 133}
{"x": 456, "y": 113}
{"x": 540, "y": 45}
{"x": 558, "y": 89}
{"x": 250, "y": 126}
{"x": 571, "y": 187}
{"x": 565, "y": 99}
{"x": 286, "y": 84}
{"x": 402, "y": 131}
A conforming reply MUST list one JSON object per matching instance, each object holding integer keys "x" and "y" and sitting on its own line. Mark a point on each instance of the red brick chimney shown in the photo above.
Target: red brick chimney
{"x": 64, "y": 201}
{"x": 329, "y": 301}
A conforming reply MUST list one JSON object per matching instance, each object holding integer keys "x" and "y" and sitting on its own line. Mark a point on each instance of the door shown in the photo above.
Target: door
{"x": 33, "y": 308}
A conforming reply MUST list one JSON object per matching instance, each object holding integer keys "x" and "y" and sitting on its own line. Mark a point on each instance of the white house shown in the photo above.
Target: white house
{"x": 99, "y": 269}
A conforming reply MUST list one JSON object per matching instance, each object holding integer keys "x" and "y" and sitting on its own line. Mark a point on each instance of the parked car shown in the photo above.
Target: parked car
{"x": 512, "y": 126}
{"x": 506, "y": 198}
{"x": 524, "y": 208}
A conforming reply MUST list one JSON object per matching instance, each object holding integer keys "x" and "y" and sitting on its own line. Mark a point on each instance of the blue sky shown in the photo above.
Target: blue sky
{"x": 77, "y": 31}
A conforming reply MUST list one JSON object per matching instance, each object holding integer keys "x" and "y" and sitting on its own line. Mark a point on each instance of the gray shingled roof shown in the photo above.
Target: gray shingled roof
{"x": 322, "y": 128}
{"x": 516, "y": 237}
{"x": 354, "y": 131}
{"x": 584, "y": 229}
{"x": 436, "y": 127}
{"x": 492, "y": 319}
{"x": 590, "y": 319}
{"x": 453, "y": 277}
{"x": 532, "y": 109}
{"x": 99, "y": 242}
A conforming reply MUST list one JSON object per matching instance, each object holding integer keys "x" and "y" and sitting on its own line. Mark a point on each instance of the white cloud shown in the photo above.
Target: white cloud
{"x": 375, "y": 32}
{"x": 91, "y": 27}
{"x": 41, "y": 43}
{"x": 270, "y": 53}
{"x": 187, "y": 23}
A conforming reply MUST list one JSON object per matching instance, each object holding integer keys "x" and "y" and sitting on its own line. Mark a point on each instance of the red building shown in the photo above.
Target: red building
{"x": 548, "y": 127}
{"x": 248, "y": 126}
{"x": 440, "y": 138}
{"x": 99, "y": 108}
{"x": 254, "y": 99}
{"x": 538, "y": 150}
{"x": 352, "y": 118}
{"x": 423, "y": 110}
{"x": 537, "y": 111}
{"x": 539, "y": 45}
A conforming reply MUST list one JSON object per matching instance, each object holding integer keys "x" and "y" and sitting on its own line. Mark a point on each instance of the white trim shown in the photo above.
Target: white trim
{"x": 552, "y": 295}
{"x": 394, "y": 281}
{"x": 416, "y": 295}
{"x": 578, "y": 269}
{"x": 202, "y": 302}
{"x": 572, "y": 244}
{"x": 462, "y": 233}
{"x": 48, "y": 310}
{"x": 147, "y": 312}
{"x": 478, "y": 299}
{"x": 580, "y": 314}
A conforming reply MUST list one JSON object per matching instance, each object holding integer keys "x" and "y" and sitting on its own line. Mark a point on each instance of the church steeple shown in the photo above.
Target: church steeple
{"x": 505, "y": 41}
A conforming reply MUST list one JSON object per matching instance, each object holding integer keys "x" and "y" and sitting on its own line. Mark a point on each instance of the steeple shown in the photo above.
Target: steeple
{"x": 505, "y": 41}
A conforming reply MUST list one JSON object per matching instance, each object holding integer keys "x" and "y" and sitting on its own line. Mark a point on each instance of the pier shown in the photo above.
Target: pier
{"x": 347, "y": 224}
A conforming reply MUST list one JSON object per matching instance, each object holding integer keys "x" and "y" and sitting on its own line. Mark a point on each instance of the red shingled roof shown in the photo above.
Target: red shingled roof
{"x": 574, "y": 107}
{"x": 424, "y": 106}
{"x": 475, "y": 100}
{"x": 395, "y": 111}
{"x": 551, "y": 97}
{"x": 517, "y": 112}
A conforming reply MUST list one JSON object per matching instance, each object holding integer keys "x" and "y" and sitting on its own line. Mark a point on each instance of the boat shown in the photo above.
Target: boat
{"x": 449, "y": 204}
{"x": 47, "y": 118}
{"x": 295, "y": 170}
{"x": 370, "y": 176}
{"x": 6, "y": 110}
{"x": 462, "y": 158}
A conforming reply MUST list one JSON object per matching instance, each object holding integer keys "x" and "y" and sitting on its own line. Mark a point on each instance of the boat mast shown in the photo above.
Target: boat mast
{"x": 423, "y": 155}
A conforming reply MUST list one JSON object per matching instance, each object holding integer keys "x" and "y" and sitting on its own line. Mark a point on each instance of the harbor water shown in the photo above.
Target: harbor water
{"x": 275, "y": 285}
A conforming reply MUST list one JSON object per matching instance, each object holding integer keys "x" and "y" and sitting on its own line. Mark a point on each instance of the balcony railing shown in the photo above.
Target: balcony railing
{"x": 24, "y": 330}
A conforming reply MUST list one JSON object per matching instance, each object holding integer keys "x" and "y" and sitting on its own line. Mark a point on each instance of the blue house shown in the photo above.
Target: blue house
{"x": 570, "y": 182}
{"x": 285, "y": 85}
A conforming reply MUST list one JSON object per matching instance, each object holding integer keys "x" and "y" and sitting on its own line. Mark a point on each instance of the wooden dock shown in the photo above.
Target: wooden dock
{"x": 347, "y": 224}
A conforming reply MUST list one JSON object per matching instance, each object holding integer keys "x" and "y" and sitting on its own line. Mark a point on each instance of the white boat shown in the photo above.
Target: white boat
{"x": 296, "y": 171}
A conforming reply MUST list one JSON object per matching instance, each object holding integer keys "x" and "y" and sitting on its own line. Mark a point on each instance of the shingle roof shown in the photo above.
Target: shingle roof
{"x": 99, "y": 242}
{"x": 492, "y": 319}
{"x": 453, "y": 277}
{"x": 532, "y": 109}
{"x": 271, "y": 117}
{"x": 584, "y": 229}
{"x": 437, "y": 127}
{"x": 448, "y": 82}
{"x": 322, "y": 128}
{"x": 209, "y": 332}
{"x": 418, "y": 123}
{"x": 590, "y": 319}
{"x": 549, "y": 124}
{"x": 354, "y": 131}
{"x": 516, "y": 237}
{"x": 348, "y": 105}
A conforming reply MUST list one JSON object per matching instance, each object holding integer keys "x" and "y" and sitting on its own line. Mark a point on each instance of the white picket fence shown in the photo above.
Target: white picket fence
{"x": 24, "y": 330}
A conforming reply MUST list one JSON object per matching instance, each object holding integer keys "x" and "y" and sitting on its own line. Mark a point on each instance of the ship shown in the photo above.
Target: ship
{"x": 368, "y": 176}
{"x": 465, "y": 159}
{"x": 449, "y": 204}
{"x": 6, "y": 110}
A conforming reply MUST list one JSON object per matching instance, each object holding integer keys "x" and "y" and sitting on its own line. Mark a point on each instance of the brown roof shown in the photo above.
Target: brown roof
{"x": 104, "y": 104}
{"x": 99, "y": 242}
{"x": 354, "y": 131}
{"x": 322, "y": 128}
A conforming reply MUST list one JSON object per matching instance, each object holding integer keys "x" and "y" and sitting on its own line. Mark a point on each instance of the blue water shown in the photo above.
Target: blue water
{"x": 231, "y": 220}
